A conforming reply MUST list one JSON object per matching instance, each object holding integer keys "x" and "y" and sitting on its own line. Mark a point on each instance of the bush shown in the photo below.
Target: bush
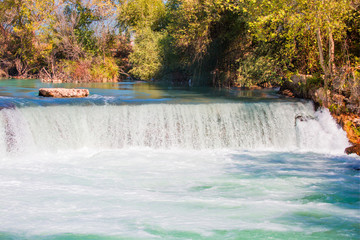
{"x": 256, "y": 70}
{"x": 314, "y": 82}
{"x": 104, "y": 70}
{"x": 146, "y": 56}
{"x": 89, "y": 70}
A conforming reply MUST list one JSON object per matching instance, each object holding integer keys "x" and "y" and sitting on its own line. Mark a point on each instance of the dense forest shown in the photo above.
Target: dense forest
{"x": 221, "y": 43}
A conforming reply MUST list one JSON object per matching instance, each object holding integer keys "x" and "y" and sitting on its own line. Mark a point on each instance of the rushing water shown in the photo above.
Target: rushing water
{"x": 135, "y": 161}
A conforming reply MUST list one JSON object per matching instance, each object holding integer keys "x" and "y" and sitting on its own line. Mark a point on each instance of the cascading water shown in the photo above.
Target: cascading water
{"x": 165, "y": 164}
{"x": 246, "y": 126}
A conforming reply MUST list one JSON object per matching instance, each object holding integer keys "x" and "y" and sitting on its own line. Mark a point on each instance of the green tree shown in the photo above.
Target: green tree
{"x": 301, "y": 22}
{"x": 24, "y": 26}
{"x": 207, "y": 38}
{"x": 140, "y": 19}
{"x": 146, "y": 57}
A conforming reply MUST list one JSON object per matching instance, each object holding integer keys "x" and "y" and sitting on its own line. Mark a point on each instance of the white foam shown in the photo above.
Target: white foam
{"x": 246, "y": 126}
{"x": 125, "y": 191}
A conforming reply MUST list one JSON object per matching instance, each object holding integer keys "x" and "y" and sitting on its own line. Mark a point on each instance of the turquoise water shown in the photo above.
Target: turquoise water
{"x": 25, "y": 93}
{"x": 151, "y": 194}
{"x": 150, "y": 162}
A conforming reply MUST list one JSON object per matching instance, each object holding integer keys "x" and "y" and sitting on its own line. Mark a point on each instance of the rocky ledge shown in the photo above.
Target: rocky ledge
{"x": 63, "y": 92}
{"x": 351, "y": 124}
{"x": 353, "y": 149}
{"x": 344, "y": 107}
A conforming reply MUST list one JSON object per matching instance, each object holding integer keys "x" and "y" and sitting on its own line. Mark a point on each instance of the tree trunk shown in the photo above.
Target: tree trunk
{"x": 322, "y": 63}
{"x": 331, "y": 54}
{"x": 321, "y": 53}
{"x": 52, "y": 64}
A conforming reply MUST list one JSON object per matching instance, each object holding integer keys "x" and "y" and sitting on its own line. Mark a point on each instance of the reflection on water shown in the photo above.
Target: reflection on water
{"x": 21, "y": 87}
{"x": 24, "y": 92}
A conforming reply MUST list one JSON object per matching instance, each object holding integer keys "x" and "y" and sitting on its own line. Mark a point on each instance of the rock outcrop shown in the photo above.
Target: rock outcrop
{"x": 344, "y": 107}
{"x": 292, "y": 87}
{"x": 353, "y": 149}
{"x": 63, "y": 92}
{"x": 322, "y": 97}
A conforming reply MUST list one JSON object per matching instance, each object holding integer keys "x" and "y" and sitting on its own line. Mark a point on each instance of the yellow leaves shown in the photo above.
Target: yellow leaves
{"x": 137, "y": 13}
{"x": 302, "y": 15}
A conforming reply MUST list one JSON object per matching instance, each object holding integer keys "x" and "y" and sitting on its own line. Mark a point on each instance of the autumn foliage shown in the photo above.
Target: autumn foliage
{"x": 212, "y": 42}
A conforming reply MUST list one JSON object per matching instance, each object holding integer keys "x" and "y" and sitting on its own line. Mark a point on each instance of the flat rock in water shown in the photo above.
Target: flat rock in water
{"x": 63, "y": 92}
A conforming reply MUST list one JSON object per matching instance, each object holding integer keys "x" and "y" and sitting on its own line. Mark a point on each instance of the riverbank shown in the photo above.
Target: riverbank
{"x": 343, "y": 106}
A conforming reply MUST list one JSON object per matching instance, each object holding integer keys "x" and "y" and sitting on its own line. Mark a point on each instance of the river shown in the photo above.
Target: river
{"x": 139, "y": 161}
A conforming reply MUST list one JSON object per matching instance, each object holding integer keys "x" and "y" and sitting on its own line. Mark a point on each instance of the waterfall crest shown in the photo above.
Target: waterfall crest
{"x": 279, "y": 126}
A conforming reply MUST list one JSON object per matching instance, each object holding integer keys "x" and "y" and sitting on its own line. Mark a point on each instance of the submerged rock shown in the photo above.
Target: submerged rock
{"x": 63, "y": 92}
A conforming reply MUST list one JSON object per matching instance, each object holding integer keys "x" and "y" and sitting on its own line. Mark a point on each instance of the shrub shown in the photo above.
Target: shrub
{"x": 256, "y": 70}
{"x": 89, "y": 70}
{"x": 314, "y": 82}
{"x": 104, "y": 70}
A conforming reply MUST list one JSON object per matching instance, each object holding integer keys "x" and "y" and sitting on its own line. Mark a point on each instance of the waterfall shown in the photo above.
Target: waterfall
{"x": 279, "y": 126}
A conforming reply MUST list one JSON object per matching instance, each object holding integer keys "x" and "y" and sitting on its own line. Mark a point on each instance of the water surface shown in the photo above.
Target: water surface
{"x": 25, "y": 92}
{"x": 140, "y": 161}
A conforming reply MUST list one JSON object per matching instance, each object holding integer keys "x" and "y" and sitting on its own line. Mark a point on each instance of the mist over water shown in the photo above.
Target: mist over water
{"x": 100, "y": 168}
